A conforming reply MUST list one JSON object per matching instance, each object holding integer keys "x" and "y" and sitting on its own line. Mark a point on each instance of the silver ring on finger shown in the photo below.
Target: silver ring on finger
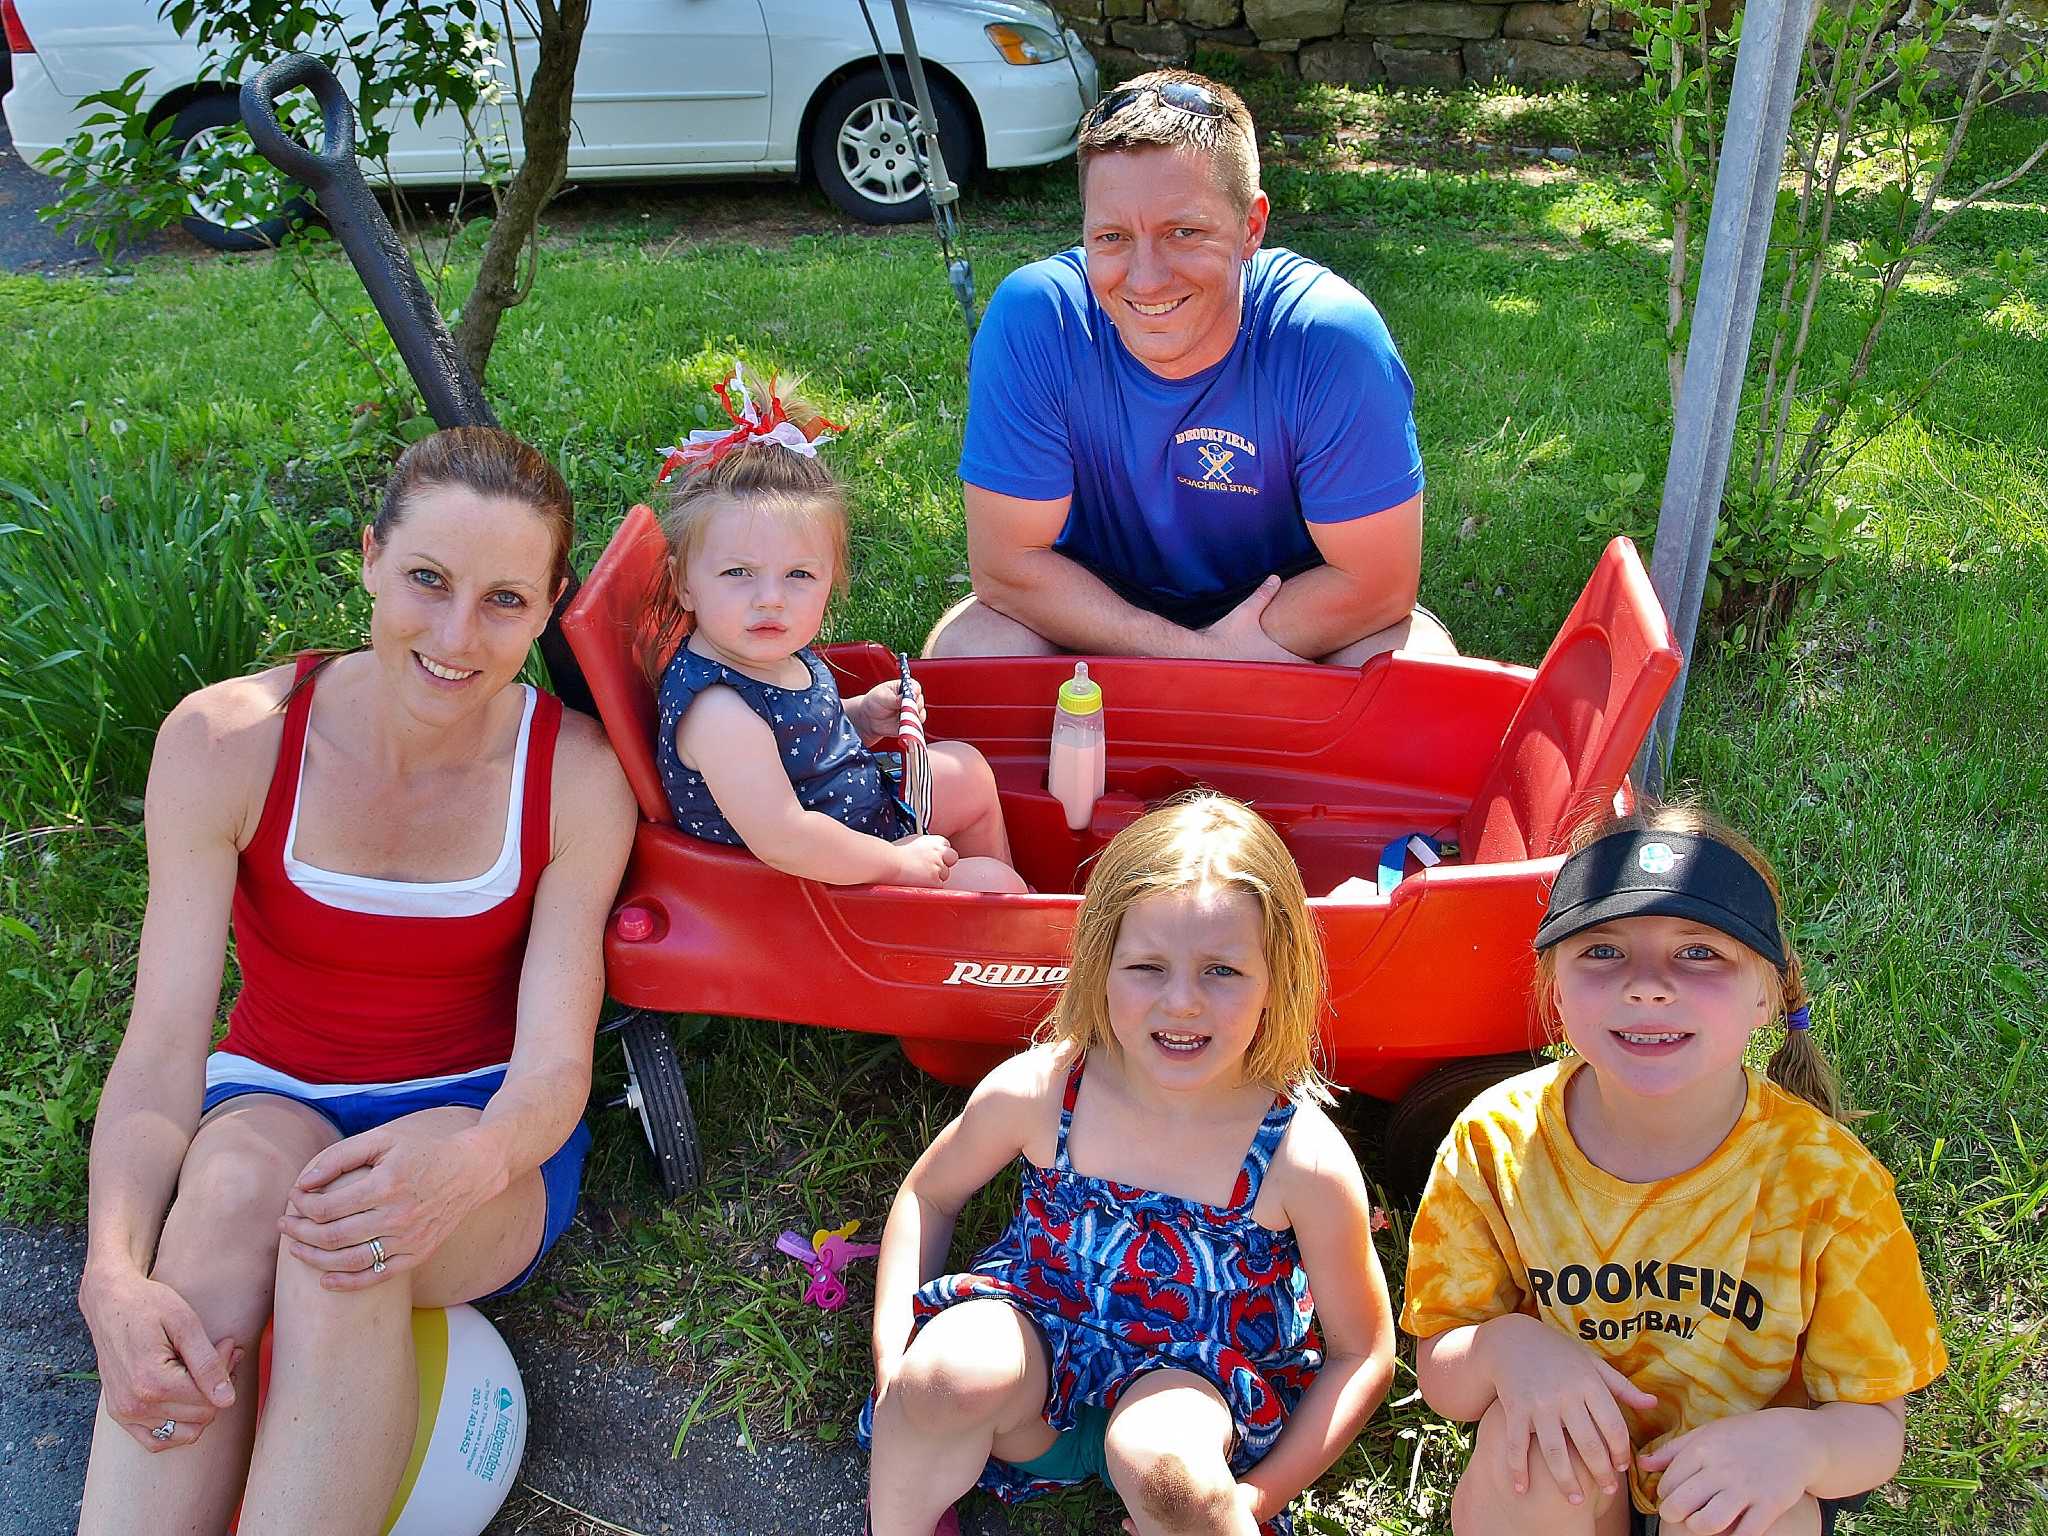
{"x": 376, "y": 1255}
{"x": 164, "y": 1431}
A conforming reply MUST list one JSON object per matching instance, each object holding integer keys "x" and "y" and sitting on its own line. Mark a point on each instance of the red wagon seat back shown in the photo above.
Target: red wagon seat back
{"x": 607, "y": 628}
{"x": 1587, "y": 713}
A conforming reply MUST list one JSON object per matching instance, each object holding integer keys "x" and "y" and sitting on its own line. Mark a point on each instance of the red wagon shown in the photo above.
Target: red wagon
{"x": 1429, "y": 979}
{"x": 1429, "y": 982}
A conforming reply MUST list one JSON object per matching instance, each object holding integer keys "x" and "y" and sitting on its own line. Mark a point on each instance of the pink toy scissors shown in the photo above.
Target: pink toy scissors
{"x": 823, "y": 1257}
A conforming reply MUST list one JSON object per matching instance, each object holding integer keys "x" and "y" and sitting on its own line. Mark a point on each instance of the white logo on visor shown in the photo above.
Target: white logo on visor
{"x": 1656, "y": 858}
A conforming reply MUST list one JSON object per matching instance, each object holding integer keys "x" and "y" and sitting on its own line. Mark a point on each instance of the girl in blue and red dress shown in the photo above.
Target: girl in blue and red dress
{"x": 1146, "y": 1317}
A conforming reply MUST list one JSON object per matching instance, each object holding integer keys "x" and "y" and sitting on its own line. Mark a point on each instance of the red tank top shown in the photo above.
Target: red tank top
{"x": 333, "y": 996}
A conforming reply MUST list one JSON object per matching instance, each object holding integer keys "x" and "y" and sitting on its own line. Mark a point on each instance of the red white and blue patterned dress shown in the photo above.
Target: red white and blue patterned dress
{"x": 1122, "y": 1281}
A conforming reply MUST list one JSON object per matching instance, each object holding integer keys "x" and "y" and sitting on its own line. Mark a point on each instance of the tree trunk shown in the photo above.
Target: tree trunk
{"x": 544, "y": 127}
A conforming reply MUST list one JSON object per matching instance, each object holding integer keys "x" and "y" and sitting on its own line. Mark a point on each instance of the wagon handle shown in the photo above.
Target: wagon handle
{"x": 453, "y": 397}
{"x": 380, "y": 259}
{"x": 337, "y": 149}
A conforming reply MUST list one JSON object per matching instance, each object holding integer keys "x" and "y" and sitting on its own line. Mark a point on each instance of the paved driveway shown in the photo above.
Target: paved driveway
{"x": 29, "y": 245}
{"x": 598, "y": 1443}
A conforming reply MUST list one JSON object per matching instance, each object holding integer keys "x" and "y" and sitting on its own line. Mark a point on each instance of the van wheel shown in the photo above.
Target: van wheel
{"x": 244, "y": 208}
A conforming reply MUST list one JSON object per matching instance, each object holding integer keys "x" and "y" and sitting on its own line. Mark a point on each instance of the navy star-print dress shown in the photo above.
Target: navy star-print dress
{"x": 829, "y": 768}
{"x": 1122, "y": 1281}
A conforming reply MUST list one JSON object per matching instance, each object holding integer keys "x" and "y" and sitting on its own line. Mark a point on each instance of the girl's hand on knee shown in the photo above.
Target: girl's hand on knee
{"x": 157, "y": 1365}
{"x": 1736, "y": 1476}
{"x": 924, "y": 860}
{"x": 1554, "y": 1389}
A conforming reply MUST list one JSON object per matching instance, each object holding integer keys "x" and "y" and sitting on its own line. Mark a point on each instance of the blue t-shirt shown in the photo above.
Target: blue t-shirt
{"x": 1187, "y": 493}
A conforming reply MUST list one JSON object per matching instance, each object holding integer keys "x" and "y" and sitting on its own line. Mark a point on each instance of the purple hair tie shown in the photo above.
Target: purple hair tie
{"x": 1799, "y": 1018}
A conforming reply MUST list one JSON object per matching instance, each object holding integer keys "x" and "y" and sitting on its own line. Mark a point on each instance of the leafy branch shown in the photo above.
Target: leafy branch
{"x": 1877, "y": 133}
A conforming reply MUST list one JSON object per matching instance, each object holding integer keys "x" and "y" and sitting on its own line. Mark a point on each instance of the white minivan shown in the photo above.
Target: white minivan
{"x": 664, "y": 88}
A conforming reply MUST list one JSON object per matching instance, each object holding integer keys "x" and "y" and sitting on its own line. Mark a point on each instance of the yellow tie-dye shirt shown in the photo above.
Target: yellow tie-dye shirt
{"x": 1778, "y": 1272}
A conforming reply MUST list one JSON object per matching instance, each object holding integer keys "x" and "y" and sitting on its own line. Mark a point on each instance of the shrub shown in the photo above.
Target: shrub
{"x": 1872, "y": 183}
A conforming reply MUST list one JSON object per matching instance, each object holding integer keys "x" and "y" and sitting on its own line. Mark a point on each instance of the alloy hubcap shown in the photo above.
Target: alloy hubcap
{"x": 878, "y": 152}
{"x": 220, "y": 188}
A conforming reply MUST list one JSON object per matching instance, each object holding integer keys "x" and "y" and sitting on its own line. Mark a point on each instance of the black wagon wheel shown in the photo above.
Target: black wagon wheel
{"x": 1423, "y": 1115}
{"x": 655, "y": 1091}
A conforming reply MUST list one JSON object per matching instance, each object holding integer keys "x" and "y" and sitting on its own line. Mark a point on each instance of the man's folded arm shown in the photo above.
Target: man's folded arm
{"x": 1018, "y": 573}
{"x": 1370, "y": 579}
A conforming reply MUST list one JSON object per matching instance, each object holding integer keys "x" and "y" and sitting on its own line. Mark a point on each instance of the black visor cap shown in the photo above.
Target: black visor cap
{"x": 1663, "y": 874}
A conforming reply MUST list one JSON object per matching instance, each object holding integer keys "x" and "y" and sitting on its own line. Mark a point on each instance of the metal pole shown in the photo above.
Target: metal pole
{"x": 1767, "y": 66}
{"x": 939, "y": 186}
{"x": 452, "y": 397}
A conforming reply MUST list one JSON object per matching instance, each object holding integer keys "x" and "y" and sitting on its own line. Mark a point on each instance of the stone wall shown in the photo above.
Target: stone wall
{"x": 2026, "y": 32}
{"x": 1418, "y": 42}
{"x": 1402, "y": 42}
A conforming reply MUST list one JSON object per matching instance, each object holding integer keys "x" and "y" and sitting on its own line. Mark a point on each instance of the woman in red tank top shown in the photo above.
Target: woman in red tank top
{"x": 394, "y": 1117}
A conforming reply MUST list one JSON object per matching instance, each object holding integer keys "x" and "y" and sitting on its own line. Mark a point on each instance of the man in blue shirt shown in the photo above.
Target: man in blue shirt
{"x": 1179, "y": 444}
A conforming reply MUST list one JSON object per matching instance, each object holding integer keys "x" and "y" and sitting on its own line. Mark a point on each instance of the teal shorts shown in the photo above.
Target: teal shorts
{"x": 1078, "y": 1452}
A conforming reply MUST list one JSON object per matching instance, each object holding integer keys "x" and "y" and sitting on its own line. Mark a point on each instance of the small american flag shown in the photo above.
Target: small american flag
{"x": 917, "y": 767}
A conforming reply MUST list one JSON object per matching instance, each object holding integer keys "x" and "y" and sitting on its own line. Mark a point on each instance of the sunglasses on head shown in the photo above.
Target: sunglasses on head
{"x": 1181, "y": 95}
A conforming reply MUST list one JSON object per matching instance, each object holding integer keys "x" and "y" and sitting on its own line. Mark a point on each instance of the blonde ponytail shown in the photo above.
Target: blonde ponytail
{"x": 1799, "y": 1066}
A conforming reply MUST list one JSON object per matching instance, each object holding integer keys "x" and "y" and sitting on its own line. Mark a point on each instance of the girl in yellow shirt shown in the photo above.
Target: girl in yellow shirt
{"x": 1684, "y": 1281}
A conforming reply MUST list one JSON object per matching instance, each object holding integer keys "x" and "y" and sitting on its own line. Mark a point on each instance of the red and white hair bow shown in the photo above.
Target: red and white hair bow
{"x": 702, "y": 449}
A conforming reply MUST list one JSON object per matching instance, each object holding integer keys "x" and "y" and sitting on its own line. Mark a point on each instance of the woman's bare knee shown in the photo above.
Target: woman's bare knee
{"x": 243, "y": 1162}
{"x": 316, "y": 1319}
{"x": 220, "y": 1241}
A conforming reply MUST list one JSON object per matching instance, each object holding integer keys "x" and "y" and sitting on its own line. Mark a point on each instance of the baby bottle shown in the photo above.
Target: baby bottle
{"x": 1074, "y": 772}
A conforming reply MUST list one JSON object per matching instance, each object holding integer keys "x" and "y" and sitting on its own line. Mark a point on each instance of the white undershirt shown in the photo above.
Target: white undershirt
{"x": 419, "y": 898}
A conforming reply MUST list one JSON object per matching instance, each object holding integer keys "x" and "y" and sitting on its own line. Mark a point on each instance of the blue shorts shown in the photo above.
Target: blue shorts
{"x": 352, "y": 1108}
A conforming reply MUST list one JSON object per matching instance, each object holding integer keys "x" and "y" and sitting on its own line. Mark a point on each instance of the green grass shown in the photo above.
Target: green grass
{"x": 123, "y": 589}
{"x": 1886, "y": 748}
